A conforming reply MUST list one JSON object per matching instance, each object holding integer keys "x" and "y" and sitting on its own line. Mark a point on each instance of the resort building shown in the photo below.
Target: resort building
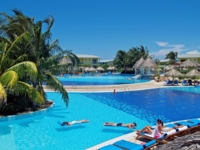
{"x": 108, "y": 62}
{"x": 194, "y": 57}
{"x": 89, "y": 60}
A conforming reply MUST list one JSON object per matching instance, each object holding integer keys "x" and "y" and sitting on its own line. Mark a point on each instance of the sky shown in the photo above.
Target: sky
{"x": 102, "y": 27}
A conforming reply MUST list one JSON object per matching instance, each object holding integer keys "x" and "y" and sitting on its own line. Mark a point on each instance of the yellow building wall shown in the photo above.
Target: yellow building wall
{"x": 193, "y": 59}
{"x": 88, "y": 61}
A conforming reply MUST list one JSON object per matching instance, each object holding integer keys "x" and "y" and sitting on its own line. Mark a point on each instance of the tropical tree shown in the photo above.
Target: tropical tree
{"x": 40, "y": 50}
{"x": 121, "y": 59}
{"x": 12, "y": 73}
{"x": 172, "y": 56}
{"x": 135, "y": 53}
{"x": 127, "y": 59}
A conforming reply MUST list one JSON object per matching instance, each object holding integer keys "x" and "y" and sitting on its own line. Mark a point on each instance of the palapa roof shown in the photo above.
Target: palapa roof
{"x": 193, "y": 73}
{"x": 168, "y": 67}
{"x": 87, "y": 69}
{"x": 65, "y": 60}
{"x": 138, "y": 63}
{"x": 100, "y": 69}
{"x": 173, "y": 72}
{"x": 148, "y": 63}
{"x": 189, "y": 63}
{"x": 111, "y": 68}
{"x": 92, "y": 69}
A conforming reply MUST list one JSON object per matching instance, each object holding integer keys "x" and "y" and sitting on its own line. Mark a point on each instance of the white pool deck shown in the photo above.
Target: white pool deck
{"x": 110, "y": 88}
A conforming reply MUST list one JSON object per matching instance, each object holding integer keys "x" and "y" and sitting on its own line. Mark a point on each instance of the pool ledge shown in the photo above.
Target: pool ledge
{"x": 26, "y": 115}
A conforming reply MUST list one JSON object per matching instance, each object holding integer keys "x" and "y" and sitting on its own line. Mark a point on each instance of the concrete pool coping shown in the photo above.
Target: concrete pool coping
{"x": 110, "y": 88}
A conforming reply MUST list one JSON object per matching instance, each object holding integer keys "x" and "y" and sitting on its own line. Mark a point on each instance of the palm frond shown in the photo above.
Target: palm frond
{"x": 9, "y": 79}
{"x": 25, "y": 35}
{"x": 31, "y": 92}
{"x": 53, "y": 83}
{"x": 26, "y": 68}
{"x": 49, "y": 20}
{"x": 3, "y": 95}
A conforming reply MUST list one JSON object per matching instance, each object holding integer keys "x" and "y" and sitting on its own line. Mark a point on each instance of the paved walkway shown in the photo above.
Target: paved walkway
{"x": 121, "y": 87}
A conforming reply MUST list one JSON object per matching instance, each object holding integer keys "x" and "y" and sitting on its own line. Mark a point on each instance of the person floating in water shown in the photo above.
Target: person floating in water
{"x": 73, "y": 122}
{"x": 129, "y": 125}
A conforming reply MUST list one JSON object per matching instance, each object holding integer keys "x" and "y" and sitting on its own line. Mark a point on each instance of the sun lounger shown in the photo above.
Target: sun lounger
{"x": 167, "y": 82}
{"x": 193, "y": 125}
{"x": 133, "y": 146}
{"x": 185, "y": 83}
{"x": 163, "y": 139}
{"x": 110, "y": 147}
{"x": 175, "y": 82}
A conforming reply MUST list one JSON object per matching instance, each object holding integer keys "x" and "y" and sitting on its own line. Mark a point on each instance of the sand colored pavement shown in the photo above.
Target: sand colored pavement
{"x": 110, "y": 88}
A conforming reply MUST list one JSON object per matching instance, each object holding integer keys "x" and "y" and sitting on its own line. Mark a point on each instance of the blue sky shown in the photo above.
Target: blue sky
{"x": 102, "y": 27}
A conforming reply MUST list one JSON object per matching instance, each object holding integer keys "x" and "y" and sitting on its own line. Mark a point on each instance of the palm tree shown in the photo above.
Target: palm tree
{"x": 13, "y": 72}
{"x": 143, "y": 52}
{"x": 172, "y": 56}
{"x": 44, "y": 53}
{"x": 121, "y": 59}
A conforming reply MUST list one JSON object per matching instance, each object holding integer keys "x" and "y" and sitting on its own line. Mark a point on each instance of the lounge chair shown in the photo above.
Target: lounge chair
{"x": 184, "y": 83}
{"x": 167, "y": 82}
{"x": 175, "y": 82}
{"x": 163, "y": 139}
{"x": 110, "y": 147}
{"x": 133, "y": 146}
{"x": 192, "y": 124}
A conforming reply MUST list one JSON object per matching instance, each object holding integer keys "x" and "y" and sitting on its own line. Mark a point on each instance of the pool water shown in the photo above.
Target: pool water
{"x": 101, "y": 80}
{"x": 143, "y": 107}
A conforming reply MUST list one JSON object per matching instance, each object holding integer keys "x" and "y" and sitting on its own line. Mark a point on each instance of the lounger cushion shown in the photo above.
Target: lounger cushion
{"x": 110, "y": 147}
{"x": 170, "y": 125}
{"x": 194, "y": 121}
{"x": 188, "y": 124}
{"x": 128, "y": 145}
{"x": 150, "y": 143}
{"x": 182, "y": 128}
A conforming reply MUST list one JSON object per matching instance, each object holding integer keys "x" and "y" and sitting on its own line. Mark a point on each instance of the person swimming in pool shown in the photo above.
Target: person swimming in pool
{"x": 129, "y": 125}
{"x": 74, "y": 122}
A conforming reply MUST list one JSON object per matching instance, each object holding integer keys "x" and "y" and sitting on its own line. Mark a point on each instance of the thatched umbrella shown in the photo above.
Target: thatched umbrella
{"x": 100, "y": 69}
{"x": 87, "y": 69}
{"x": 111, "y": 68}
{"x": 168, "y": 67}
{"x": 189, "y": 63}
{"x": 138, "y": 63}
{"x": 173, "y": 72}
{"x": 147, "y": 63}
{"x": 64, "y": 60}
{"x": 92, "y": 69}
{"x": 193, "y": 73}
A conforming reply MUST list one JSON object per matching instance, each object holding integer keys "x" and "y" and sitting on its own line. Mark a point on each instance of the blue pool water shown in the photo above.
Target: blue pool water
{"x": 143, "y": 107}
{"x": 101, "y": 80}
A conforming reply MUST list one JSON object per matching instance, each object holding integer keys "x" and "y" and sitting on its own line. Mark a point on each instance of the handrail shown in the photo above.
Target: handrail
{"x": 74, "y": 85}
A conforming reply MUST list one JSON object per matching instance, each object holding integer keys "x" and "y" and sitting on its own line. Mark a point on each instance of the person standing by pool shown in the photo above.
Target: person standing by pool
{"x": 74, "y": 122}
{"x": 114, "y": 92}
{"x": 129, "y": 125}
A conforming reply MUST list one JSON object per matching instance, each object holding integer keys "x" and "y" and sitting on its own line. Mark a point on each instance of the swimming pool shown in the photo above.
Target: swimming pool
{"x": 101, "y": 80}
{"x": 143, "y": 107}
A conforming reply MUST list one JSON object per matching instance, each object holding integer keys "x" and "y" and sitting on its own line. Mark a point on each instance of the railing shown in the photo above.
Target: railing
{"x": 74, "y": 85}
{"x": 125, "y": 89}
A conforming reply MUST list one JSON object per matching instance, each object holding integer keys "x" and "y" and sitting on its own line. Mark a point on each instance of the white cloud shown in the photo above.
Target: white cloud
{"x": 193, "y": 52}
{"x": 161, "y": 43}
{"x": 168, "y": 48}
